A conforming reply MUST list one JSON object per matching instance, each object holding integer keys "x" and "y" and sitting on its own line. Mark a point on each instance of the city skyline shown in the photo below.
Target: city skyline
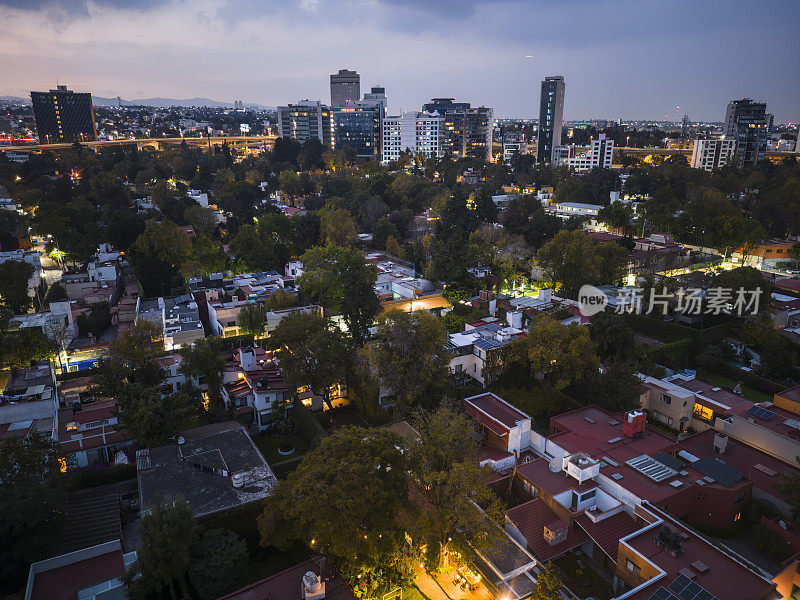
{"x": 642, "y": 66}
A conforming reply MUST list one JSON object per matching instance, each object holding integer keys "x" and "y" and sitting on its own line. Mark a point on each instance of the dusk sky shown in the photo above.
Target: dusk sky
{"x": 620, "y": 58}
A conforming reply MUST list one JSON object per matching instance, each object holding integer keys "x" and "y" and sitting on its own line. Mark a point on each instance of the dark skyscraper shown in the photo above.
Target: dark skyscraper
{"x": 358, "y": 125}
{"x": 466, "y": 131}
{"x": 64, "y": 116}
{"x": 345, "y": 85}
{"x": 747, "y": 122}
{"x": 551, "y": 118}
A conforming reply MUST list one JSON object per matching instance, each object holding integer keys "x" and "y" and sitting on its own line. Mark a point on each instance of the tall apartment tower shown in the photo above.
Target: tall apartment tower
{"x": 747, "y": 122}
{"x": 345, "y": 85}
{"x": 465, "y": 131}
{"x": 304, "y": 120}
{"x": 64, "y": 116}
{"x": 551, "y": 118}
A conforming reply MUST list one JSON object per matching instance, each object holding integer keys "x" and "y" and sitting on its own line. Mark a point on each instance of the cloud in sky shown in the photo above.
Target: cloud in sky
{"x": 620, "y": 58}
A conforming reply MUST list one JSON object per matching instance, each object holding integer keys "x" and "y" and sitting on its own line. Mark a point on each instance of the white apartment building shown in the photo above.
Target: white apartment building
{"x": 598, "y": 155}
{"x": 416, "y": 132}
{"x": 712, "y": 153}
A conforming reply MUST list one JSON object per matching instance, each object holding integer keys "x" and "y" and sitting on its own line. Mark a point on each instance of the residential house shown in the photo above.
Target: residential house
{"x": 254, "y": 385}
{"x": 473, "y": 347}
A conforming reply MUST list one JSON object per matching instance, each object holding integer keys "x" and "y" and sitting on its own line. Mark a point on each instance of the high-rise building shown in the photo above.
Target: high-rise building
{"x": 712, "y": 153}
{"x": 345, "y": 85}
{"x": 358, "y": 124}
{"x": 305, "y": 120}
{"x": 64, "y": 116}
{"x": 377, "y": 94}
{"x": 747, "y": 123}
{"x": 415, "y": 132}
{"x": 466, "y": 131}
{"x": 551, "y": 118}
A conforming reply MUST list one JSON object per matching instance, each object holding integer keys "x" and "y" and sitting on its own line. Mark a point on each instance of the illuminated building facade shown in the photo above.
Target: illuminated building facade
{"x": 747, "y": 122}
{"x": 415, "y": 132}
{"x": 64, "y": 116}
{"x": 551, "y": 118}
{"x": 358, "y": 124}
{"x": 466, "y": 131}
{"x": 305, "y": 120}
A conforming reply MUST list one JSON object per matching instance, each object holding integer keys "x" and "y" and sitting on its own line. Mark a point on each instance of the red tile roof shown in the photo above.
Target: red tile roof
{"x": 531, "y": 517}
{"x": 607, "y": 533}
{"x": 497, "y": 409}
{"x": 64, "y": 583}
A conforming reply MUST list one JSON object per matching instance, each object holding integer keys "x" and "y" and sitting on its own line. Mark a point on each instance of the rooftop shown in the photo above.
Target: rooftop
{"x": 724, "y": 577}
{"x": 201, "y": 469}
{"x": 496, "y": 409}
{"x": 63, "y": 577}
{"x": 286, "y": 585}
{"x": 530, "y": 519}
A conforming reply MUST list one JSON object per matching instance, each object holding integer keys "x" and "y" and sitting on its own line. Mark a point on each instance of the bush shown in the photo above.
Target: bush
{"x": 770, "y": 543}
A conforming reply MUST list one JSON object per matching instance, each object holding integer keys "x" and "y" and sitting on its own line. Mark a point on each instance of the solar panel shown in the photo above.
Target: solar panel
{"x": 686, "y": 589}
{"x": 717, "y": 470}
{"x": 663, "y": 594}
{"x": 761, "y": 413}
{"x": 652, "y": 468}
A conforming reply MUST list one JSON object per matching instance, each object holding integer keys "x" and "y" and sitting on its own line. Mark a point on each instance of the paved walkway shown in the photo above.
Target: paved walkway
{"x": 440, "y": 586}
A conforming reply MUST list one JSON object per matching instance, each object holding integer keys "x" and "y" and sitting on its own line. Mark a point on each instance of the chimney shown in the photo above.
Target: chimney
{"x": 720, "y": 443}
{"x": 312, "y": 587}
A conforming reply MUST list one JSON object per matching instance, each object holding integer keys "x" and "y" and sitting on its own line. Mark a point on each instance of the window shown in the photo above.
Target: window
{"x": 666, "y": 399}
{"x": 633, "y": 567}
{"x": 737, "y": 517}
{"x": 739, "y": 499}
{"x": 588, "y": 495}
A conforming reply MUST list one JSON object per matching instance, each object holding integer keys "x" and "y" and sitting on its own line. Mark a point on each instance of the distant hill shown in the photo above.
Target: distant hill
{"x": 168, "y": 102}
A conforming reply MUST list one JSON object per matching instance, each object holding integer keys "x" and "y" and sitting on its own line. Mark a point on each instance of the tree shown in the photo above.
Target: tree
{"x": 14, "y": 278}
{"x": 614, "y": 387}
{"x": 611, "y": 335}
{"x": 453, "y": 323}
{"x": 358, "y": 478}
{"x": 570, "y": 259}
{"x": 203, "y": 361}
{"x": 748, "y": 279}
{"x": 218, "y": 561}
{"x": 343, "y": 283}
{"x": 338, "y": 228}
{"x": 31, "y": 518}
{"x": 202, "y": 220}
{"x": 408, "y": 355}
{"x": 30, "y": 458}
{"x": 167, "y": 534}
{"x": 445, "y": 470}
{"x": 617, "y": 215}
{"x": 548, "y": 584}
{"x": 312, "y": 352}
{"x": 158, "y": 255}
{"x": 393, "y": 248}
{"x": 561, "y": 353}
{"x": 252, "y": 319}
